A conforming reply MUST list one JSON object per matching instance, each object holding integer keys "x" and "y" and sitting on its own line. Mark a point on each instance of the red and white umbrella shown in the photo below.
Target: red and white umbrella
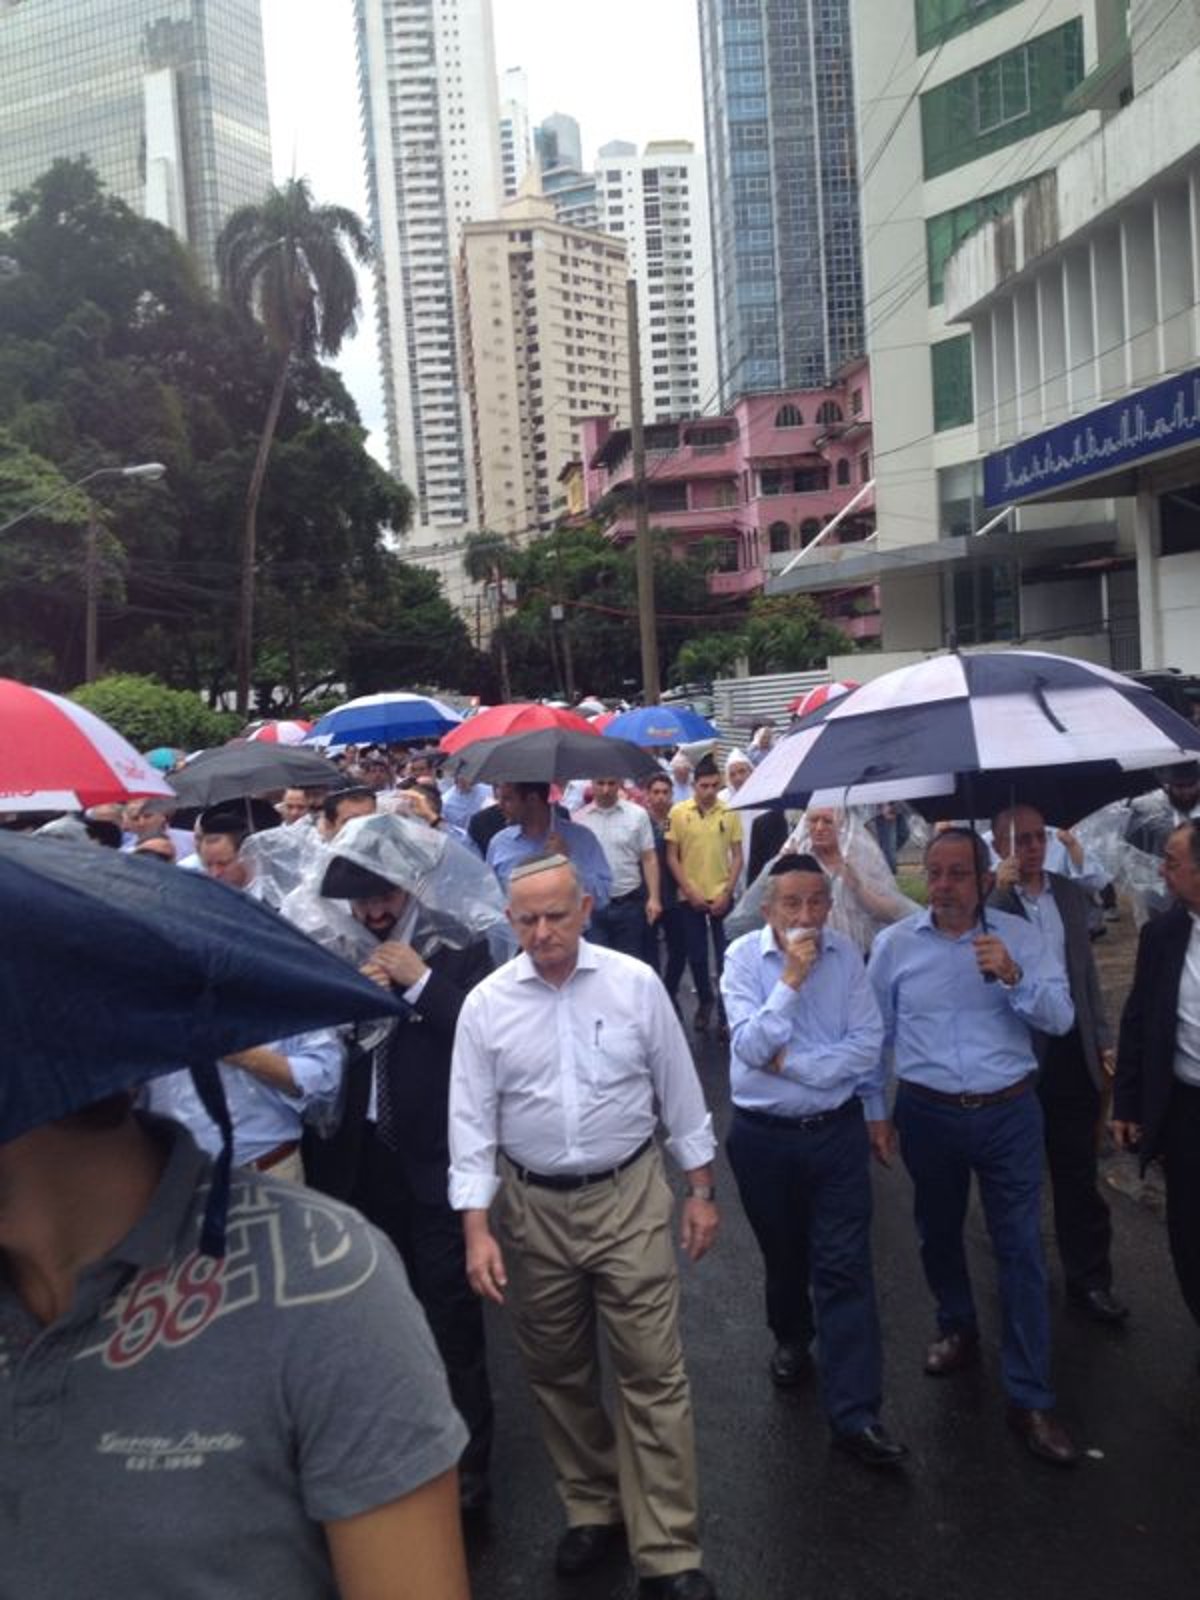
{"x": 57, "y": 756}
{"x": 280, "y": 732}
{"x": 813, "y": 699}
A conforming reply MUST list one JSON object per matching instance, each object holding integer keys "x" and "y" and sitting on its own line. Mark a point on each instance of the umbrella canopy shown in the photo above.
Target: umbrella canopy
{"x": 238, "y": 770}
{"x": 523, "y": 716}
{"x": 279, "y": 732}
{"x": 553, "y": 755}
{"x": 143, "y": 970}
{"x": 391, "y": 718}
{"x": 57, "y": 756}
{"x": 164, "y": 757}
{"x": 813, "y": 699}
{"x": 650, "y": 726}
{"x": 963, "y": 735}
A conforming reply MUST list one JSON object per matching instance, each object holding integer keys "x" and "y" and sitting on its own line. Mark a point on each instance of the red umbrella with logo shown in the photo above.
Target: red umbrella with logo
{"x": 58, "y": 756}
{"x": 524, "y": 716}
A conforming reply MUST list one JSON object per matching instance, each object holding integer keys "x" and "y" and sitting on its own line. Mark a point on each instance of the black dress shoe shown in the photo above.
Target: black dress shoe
{"x": 474, "y": 1492}
{"x": 1100, "y": 1304}
{"x": 951, "y": 1353}
{"x": 1044, "y": 1436}
{"x": 585, "y": 1547}
{"x": 873, "y": 1446}
{"x": 690, "y": 1585}
{"x": 791, "y": 1365}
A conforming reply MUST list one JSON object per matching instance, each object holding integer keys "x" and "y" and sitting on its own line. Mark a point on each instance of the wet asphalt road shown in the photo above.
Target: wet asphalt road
{"x": 972, "y": 1517}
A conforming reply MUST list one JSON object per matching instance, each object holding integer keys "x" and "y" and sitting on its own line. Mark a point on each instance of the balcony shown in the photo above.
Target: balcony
{"x": 747, "y": 581}
{"x": 713, "y": 521}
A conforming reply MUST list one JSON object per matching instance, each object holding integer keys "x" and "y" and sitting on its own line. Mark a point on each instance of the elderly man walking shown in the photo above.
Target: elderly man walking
{"x": 958, "y": 1000}
{"x": 808, "y": 1106}
{"x": 564, "y": 1060}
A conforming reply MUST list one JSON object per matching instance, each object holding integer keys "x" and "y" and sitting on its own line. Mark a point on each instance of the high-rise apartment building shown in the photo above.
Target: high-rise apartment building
{"x": 559, "y": 151}
{"x": 166, "y": 98}
{"x": 516, "y": 142}
{"x": 658, "y": 203}
{"x": 430, "y": 115}
{"x": 961, "y": 104}
{"x": 783, "y": 188}
{"x": 546, "y": 343}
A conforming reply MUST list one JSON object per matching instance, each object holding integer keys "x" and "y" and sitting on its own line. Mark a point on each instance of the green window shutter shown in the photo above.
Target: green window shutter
{"x": 953, "y": 398}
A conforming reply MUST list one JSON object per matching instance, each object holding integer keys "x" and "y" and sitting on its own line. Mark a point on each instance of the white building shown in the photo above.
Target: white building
{"x": 1082, "y": 305}
{"x": 658, "y": 203}
{"x": 430, "y": 116}
{"x": 516, "y": 139}
{"x": 960, "y": 104}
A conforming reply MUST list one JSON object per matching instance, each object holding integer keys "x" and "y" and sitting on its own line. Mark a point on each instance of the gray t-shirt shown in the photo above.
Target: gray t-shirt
{"x": 190, "y": 1423}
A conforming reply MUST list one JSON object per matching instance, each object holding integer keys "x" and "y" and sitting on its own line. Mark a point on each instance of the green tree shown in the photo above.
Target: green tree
{"x": 148, "y": 713}
{"x": 285, "y": 262}
{"x": 784, "y": 633}
{"x": 492, "y": 558}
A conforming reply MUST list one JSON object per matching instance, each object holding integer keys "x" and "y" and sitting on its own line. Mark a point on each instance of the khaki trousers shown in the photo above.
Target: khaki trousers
{"x": 602, "y": 1257}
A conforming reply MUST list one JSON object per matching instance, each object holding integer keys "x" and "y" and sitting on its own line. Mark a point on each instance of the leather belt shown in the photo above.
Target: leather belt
{"x": 272, "y": 1158}
{"x": 769, "y": 1119}
{"x": 971, "y": 1102}
{"x": 575, "y": 1180}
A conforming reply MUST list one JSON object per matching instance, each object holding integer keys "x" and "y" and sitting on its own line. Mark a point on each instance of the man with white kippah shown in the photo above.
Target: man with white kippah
{"x": 564, "y": 1059}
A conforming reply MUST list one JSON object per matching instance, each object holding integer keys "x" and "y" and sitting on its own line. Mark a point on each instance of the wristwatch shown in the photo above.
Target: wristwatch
{"x": 701, "y": 1191}
{"x": 1020, "y": 973}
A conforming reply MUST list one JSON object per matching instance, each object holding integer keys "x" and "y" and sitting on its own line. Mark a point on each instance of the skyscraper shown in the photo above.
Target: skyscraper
{"x": 658, "y": 203}
{"x": 167, "y": 99}
{"x": 430, "y": 115}
{"x": 559, "y": 151}
{"x": 547, "y": 344}
{"x": 783, "y": 189}
{"x": 516, "y": 145}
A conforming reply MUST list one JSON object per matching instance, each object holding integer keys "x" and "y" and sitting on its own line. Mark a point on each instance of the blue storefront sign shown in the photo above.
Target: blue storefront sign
{"x": 1149, "y": 423}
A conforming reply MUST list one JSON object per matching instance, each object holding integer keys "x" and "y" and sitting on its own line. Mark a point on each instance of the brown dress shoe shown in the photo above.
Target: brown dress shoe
{"x": 1044, "y": 1436}
{"x": 951, "y": 1353}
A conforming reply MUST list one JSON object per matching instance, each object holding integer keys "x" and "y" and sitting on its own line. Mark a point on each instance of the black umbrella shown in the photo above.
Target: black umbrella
{"x": 115, "y": 969}
{"x": 552, "y": 755}
{"x": 238, "y": 770}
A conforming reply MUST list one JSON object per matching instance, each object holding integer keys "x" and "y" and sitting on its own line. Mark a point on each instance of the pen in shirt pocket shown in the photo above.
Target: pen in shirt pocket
{"x": 597, "y": 1033}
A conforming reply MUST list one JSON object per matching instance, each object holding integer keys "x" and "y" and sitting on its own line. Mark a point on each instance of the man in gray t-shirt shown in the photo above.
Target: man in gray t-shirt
{"x": 272, "y": 1423}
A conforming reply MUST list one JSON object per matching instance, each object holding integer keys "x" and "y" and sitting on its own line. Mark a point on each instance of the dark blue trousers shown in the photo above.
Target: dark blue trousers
{"x": 696, "y": 925}
{"x": 807, "y": 1195}
{"x": 621, "y": 926}
{"x": 1001, "y": 1145}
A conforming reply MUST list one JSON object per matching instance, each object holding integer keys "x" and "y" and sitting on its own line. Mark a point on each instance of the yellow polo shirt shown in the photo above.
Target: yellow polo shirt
{"x": 705, "y": 840}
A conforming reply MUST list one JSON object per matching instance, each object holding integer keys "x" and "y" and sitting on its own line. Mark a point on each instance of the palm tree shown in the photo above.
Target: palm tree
{"x": 285, "y": 263}
{"x": 488, "y": 558}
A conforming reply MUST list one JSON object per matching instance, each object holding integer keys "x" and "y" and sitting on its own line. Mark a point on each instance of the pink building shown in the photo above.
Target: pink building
{"x": 762, "y": 480}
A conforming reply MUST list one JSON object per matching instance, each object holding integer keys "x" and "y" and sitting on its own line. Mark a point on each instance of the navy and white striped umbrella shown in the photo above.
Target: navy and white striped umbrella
{"x": 962, "y": 735}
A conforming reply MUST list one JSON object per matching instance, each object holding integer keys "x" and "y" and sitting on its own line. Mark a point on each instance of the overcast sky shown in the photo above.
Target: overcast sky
{"x": 626, "y": 69}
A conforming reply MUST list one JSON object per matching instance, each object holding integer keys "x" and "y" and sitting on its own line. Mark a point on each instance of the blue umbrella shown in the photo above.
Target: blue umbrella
{"x": 144, "y": 969}
{"x": 392, "y": 718}
{"x": 658, "y": 725}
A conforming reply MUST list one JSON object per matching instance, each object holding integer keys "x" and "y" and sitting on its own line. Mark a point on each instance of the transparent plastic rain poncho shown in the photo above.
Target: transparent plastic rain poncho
{"x": 459, "y": 898}
{"x": 281, "y": 859}
{"x": 1128, "y": 838}
{"x": 864, "y": 901}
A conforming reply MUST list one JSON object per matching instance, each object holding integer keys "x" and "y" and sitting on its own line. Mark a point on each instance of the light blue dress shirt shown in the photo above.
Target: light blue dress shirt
{"x": 829, "y": 1030}
{"x": 511, "y": 846}
{"x": 460, "y": 805}
{"x": 947, "y": 1026}
{"x": 263, "y": 1117}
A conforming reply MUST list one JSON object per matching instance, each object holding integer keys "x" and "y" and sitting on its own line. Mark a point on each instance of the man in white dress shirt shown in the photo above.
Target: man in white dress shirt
{"x": 626, "y": 836}
{"x": 560, "y": 1060}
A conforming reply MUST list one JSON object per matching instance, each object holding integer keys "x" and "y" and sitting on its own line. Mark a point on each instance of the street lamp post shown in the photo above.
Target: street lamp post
{"x": 140, "y": 472}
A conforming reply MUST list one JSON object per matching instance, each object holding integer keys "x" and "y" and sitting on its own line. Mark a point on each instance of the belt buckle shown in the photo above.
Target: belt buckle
{"x": 970, "y": 1102}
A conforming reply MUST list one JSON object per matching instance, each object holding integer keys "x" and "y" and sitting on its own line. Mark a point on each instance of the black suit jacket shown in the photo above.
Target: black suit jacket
{"x": 418, "y": 1067}
{"x": 1146, "y": 1047}
{"x": 1082, "y": 977}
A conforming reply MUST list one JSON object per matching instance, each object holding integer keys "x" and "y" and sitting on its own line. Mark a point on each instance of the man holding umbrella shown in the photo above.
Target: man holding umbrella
{"x": 959, "y": 998}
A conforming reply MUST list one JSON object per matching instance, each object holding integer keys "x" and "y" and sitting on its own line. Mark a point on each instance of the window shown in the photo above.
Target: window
{"x": 829, "y": 411}
{"x": 953, "y": 398}
{"x": 789, "y": 416}
{"x": 1002, "y": 91}
{"x": 780, "y": 536}
{"x": 809, "y": 529}
{"x": 843, "y": 472}
{"x": 945, "y": 232}
{"x": 939, "y": 20}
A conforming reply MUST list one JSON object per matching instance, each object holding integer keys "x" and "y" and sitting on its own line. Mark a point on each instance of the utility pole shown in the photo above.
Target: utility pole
{"x": 645, "y": 556}
{"x": 91, "y": 590}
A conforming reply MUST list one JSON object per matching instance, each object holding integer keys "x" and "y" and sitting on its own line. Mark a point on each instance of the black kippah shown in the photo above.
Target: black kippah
{"x": 706, "y": 767}
{"x": 805, "y": 863}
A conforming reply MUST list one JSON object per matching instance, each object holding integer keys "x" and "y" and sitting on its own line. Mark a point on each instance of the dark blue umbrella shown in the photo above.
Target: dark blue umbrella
{"x": 115, "y": 969}
{"x": 650, "y": 726}
{"x": 392, "y": 718}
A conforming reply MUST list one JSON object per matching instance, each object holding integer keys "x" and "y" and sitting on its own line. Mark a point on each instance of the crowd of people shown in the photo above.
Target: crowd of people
{"x": 501, "y": 1127}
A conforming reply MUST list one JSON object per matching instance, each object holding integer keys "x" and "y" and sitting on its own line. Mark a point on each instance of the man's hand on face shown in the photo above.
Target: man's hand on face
{"x": 395, "y": 963}
{"x": 800, "y": 957}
